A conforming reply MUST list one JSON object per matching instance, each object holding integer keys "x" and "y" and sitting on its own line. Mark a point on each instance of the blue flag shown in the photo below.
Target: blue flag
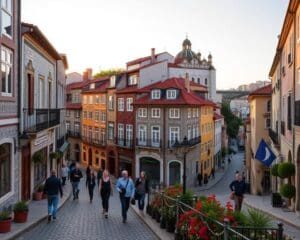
{"x": 264, "y": 154}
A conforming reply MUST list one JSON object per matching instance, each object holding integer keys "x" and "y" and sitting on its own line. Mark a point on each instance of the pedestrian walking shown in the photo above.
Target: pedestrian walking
{"x": 238, "y": 189}
{"x": 205, "y": 180}
{"x": 75, "y": 177}
{"x": 90, "y": 184}
{"x": 126, "y": 189}
{"x": 71, "y": 168}
{"x": 141, "y": 189}
{"x": 99, "y": 175}
{"x": 105, "y": 189}
{"x": 52, "y": 188}
{"x": 212, "y": 173}
{"x": 88, "y": 170}
{"x": 64, "y": 174}
{"x": 199, "y": 178}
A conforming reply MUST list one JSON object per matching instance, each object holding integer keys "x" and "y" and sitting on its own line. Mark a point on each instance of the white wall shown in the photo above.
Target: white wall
{"x": 153, "y": 73}
{"x": 218, "y": 135}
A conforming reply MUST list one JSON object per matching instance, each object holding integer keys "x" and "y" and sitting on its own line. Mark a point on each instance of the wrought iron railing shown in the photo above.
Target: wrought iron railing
{"x": 73, "y": 134}
{"x": 123, "y": 142}
{"x": 192, "y": 142}
{"x": 35, "y": 120}
{"x": 94, "y": 141}
{"x": 173, "y": 208}
{"x": 60, "y": 141}
{"x": 149, "y": 143}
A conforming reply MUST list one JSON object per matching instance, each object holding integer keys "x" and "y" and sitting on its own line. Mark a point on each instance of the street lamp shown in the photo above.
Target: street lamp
{"x": 183, "y": 147}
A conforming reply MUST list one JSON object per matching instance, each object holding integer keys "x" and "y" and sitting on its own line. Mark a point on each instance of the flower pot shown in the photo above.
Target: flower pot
{"x": 20, "y": 217}
{"x": 37, "y": 196}
{"x": 5, "y": 226}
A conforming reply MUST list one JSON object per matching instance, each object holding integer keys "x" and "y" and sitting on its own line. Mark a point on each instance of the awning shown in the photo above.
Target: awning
{"x": 64, "y": 147}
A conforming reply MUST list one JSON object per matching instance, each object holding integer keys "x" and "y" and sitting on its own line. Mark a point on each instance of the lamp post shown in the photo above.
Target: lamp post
{"x": 183, "y": 147}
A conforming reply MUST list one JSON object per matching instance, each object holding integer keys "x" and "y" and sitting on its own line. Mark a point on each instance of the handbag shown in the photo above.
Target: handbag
{"x": 132, "y": 201}
{"x": 123, "y": 190}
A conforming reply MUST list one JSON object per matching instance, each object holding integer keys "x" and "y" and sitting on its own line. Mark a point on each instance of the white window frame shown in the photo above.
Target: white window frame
{"x": 111, "y": 102}
{"x": 111, "y": 127}
{"x": 154, "y": 111}
{"x": 189, "y": 132}
{"x": 142, "y": 112}
{"x": 129, "y": 134}
{"x": 189, "y": 113}
{"x": 174, "y": 113}
{"x": 103, "y": 116}
{"x": 129, "y": 106}
{"x": 103, "y": 99}
{"x": 132, "y": 80}
{"x": 85, "y": 99}
{"x": 172, "y": 134}
{"x": 121, "y": 104}
{"x": 96, "y": 99}
{"x": 90, "y": 99}
{"x": 142, "y": 134}
{"x": 9, "y": 11}
{"x": 121, "y": 133}
{"x": 156, "y": 94}
{"x": 155, "y": 136}
{"x": 171, "y": 94}
{"x": 7, "y": 64}
{"x": 96, "y": 116}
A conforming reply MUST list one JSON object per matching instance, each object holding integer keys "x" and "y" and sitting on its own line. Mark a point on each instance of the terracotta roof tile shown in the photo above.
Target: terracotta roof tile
{"x": 142, "y": 59}
{"x": 218, "y": 116}
{"x": 265, "y": 90}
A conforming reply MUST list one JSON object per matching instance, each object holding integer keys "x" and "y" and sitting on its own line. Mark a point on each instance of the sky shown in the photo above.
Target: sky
{"x": 241, "y": 35}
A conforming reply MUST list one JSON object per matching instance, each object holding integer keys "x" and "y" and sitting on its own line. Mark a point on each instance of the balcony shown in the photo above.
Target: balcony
{"x": 60, "y": 142}
{"x": 36, "y": 120}
{"x": 73, "y": 134}
{"x": 282, "y": 128}
{"x": 192, "y": 142}
{"x": 148, "y": 143}
{"x": 122, "y": 142}
{"x": 297, "y": 113}
{"x": 274, "y": 136}
{"x": 94, "y": 141}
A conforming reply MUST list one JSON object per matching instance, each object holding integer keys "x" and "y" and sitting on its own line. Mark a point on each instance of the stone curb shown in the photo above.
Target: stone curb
{"x": 153, "y": 226}
{"x": 280, "y": 218}
{"x": 19, "y": 232}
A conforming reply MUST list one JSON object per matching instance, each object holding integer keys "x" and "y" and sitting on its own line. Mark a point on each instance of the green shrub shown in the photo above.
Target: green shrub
{"x": 241, "y": 218}
{"x": 287, "y": 190}
{"x": 37, "y": 157}
{"x": 257, "y": 218}
{"x": 286, "y": 170}
{"x": 187, "y": 198}
{"x": 21, "y": 206}
{"x": 4, "y": 215}
{"x": 274, "y": 170}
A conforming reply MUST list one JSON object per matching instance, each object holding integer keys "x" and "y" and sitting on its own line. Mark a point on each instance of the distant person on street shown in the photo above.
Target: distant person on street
{"x": 205, "y": 180}
{"x": 90, "y": 184}
{"x": 51, "y": 188}
{"x": 199, "y": 178}
{"x": 75, "y": 177}
{"x": 88, "y": 170}
{"x": 238, "y": 187}
{"x": 71, "y": 168}
{"x": 142, "y": 187}
{"x": 125, "y": 188}
{"x": 99, "y": 175}
{"x": 237, "y": 174}
{"x": 64, "y": 174}
{"x": 106, "y": 189}
{"x": 212, "y": 173}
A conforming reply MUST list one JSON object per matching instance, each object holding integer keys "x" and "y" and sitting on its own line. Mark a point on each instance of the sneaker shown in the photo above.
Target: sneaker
{"x": 49, "y": 218}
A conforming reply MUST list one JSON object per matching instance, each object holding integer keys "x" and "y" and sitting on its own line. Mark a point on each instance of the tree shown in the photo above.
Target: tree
{"x": 233, "y": 122}
{"x": 108, "y": 72}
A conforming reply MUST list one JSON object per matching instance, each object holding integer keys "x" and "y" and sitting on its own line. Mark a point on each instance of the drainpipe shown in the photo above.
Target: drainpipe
{"x": 164, "y": 146}
{"x": 19, "y": 75}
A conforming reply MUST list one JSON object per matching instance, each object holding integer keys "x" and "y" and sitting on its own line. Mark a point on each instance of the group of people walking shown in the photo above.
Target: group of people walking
{"x": 128, "y": 190}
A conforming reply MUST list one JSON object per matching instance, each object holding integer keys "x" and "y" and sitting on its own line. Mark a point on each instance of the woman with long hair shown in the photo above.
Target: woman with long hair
{"x": 105, "y": 188}
{"x": 91, "y": 183}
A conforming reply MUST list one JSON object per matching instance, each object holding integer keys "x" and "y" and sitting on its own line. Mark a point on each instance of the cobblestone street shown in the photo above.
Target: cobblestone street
{"x": 83, "y": 220}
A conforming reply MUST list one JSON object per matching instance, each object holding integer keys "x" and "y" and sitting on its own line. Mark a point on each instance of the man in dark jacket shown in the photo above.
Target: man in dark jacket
{"x": 75, "y": 177}
{"x": 52, "y": 187}
{"x": 238, "y": 187}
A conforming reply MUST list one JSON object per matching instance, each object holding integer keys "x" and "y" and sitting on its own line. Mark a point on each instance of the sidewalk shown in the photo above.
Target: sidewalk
{"x": 219, "y": 174}
{"x": 263, "y": 203}
{"x": 37, "y": 213}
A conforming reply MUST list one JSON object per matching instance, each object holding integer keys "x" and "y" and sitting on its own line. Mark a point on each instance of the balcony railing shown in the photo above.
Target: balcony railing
{"x": 274, "y": 136}
{"x": 36, "y": 120}
{"x": 192, "y": 142}
{"x": 297, "y": 113}
{"x": 122, "y": 142}
{"x": 94, "y": 141}
{"x": 60, "y": 142}
{"x": 149, "y": 143}
{"x": 73, "y": 134}
{"x": 282, "y": 128}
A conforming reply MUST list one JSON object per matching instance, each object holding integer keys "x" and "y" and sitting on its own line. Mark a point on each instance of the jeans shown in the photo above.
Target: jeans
{"x": 52, "y": 205}
{"x": 64, "y": 180}
{"x": 75, "y": 186}
{"x": 238, "y": 201}
{"x": 91, "y": 192}
{"x": 105, "y": 199}
{"x": 141, "y": 201}
{"x": 125, "y": 206}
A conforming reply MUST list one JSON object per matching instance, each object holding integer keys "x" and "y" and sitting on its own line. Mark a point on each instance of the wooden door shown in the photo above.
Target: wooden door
{"x": 25, "y": 173}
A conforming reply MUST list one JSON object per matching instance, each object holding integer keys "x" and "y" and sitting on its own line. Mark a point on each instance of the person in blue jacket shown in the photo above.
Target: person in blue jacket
{"x": 125, "y": 187}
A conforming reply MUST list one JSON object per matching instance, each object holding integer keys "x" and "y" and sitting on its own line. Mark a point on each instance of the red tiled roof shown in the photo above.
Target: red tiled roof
{"x": 142, "y": 59}
{"x": 217, "y": 116}
{"x": 76, "y": 85}
{"x": 101, "y": 88}
{"x": 131, "y": 89}
{"x": 198, "y": 85}
{"x": 184, "y": 98}
{"x": 73, "y": 105}
{"x": 265, "y": 90}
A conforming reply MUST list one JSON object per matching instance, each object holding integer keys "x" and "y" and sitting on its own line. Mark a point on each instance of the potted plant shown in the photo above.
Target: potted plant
{"x": 54, "y": 155}
{"x": 287, "y": 170}
{"x": 171, "y": 220}
{"x": 20, "y": 212}
{"x": 5, "y": 222}
{"x": 37, "y": 157}
{"x": 38, "y": 194}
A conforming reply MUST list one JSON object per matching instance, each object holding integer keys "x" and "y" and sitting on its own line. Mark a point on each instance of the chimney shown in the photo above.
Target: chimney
{"x": 187, "y": 82}
{"x": 89, "y": 73}
{"x": 85, "y": 76}
{"x": 152, "y": 55}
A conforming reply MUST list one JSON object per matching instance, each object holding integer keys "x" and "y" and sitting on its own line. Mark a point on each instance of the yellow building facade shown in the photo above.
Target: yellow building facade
{"x": 94, "y": 111}
{"x": 207, "y": 140}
